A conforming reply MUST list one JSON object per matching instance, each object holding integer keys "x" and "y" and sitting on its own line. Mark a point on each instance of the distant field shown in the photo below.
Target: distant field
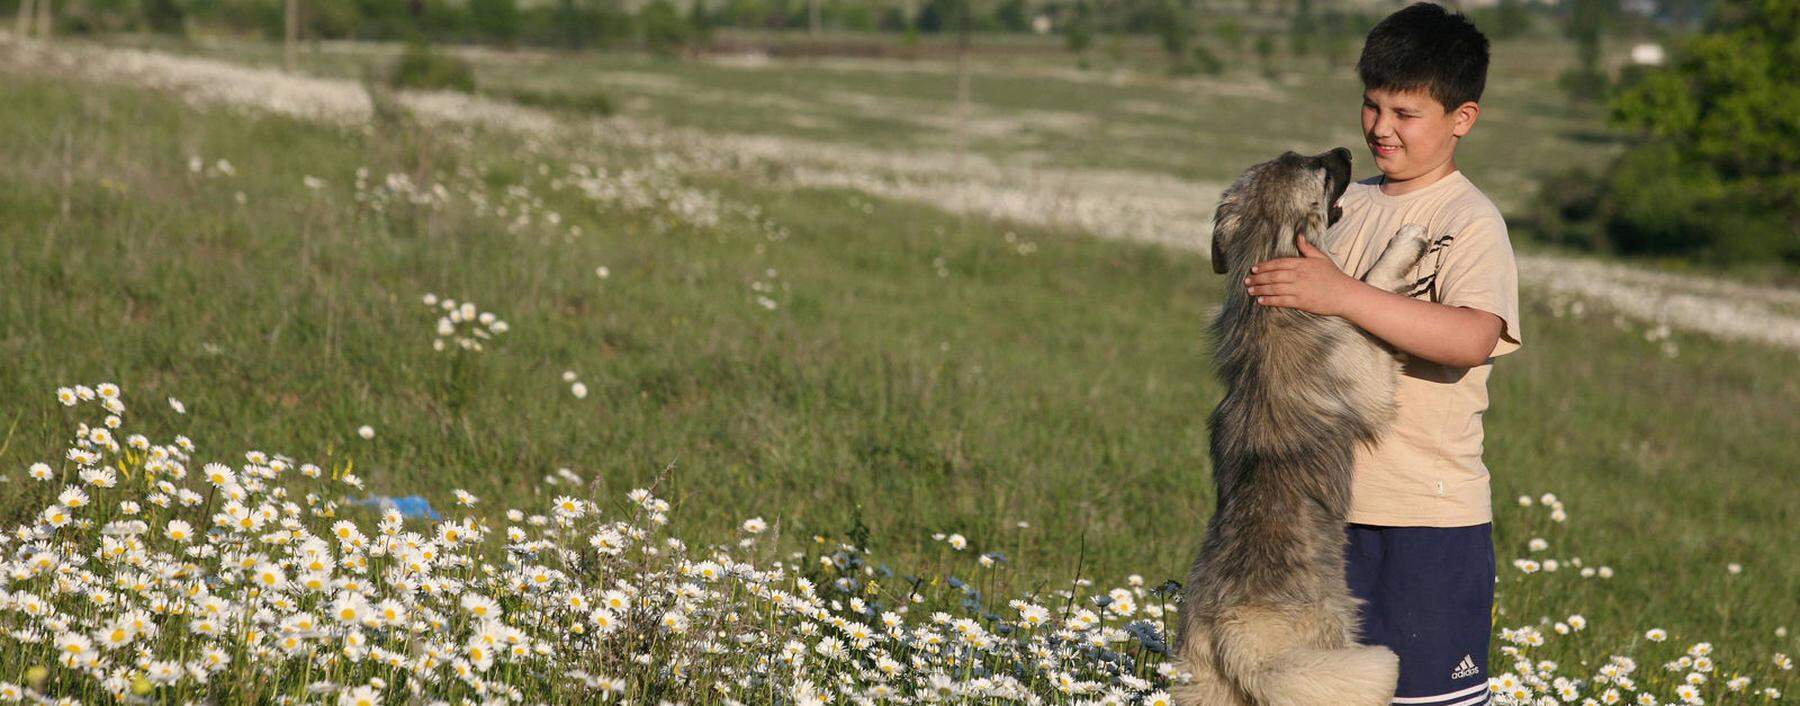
{"x": 827, "y": 357}
{"x": 1037, "y": 108}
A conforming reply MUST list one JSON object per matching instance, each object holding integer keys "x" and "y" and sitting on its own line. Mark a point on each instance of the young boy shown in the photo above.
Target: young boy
{"x": 1421, "y": 551}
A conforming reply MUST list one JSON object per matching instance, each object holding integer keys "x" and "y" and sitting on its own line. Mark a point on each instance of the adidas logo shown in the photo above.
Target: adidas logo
{"x": 1465, "y": 668}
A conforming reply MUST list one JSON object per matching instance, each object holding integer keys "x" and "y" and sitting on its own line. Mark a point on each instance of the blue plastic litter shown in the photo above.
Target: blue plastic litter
{"x": 409, "y": 506}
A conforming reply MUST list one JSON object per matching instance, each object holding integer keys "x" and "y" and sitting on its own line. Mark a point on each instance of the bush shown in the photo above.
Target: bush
{"x": 585, "y": 102}
{"x": 1567, "y": 209}
{"x": 1718, "y": 174}
{"x": 1652, "y": 202}
{"x": 497, "y": 20}
{"x": 663, "y": 29}
{"x": 422, "y": 68}
{"x": 1079, "y": 33}
{"x": 164, "y": 16}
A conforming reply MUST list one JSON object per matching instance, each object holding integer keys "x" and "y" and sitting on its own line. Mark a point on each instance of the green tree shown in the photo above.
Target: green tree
{"x": 1586, "y": 81}
{"x": 1079, "y": 32}
{"x": 1302, "y": 29}
{"x": 1265, "y": 54}
{"x": 1720, "y": 173}
{"x": 1013, "y": 16}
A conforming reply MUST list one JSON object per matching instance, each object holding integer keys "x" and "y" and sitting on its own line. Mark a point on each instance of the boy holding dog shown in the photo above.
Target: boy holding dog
{"x": 1421, "y": 553}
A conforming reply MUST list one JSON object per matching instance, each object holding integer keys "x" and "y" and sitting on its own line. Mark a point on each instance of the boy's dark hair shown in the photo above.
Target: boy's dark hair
{"x": 1422, "y": 46}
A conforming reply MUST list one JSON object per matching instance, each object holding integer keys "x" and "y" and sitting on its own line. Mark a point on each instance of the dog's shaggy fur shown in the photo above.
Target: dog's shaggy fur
{"x": 1267, "y": 619}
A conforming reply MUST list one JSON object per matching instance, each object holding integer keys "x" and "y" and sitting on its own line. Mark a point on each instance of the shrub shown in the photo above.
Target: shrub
{"x": 586, "y": 102}
{"x": 164, "y": 16}
{"x": 663, "y": 29}
{"x": 422, "y": 68}
{"x": 495, "y": 19}
{"x": 1715, "y": 177}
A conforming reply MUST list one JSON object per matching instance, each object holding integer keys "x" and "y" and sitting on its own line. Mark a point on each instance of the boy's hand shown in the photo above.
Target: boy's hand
{"x": 1311, "y": 282}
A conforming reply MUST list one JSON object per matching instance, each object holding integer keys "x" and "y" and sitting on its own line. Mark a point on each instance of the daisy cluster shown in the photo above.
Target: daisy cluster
{"x": 1533, "y": 678}
{"x": 462, "y": 324}
{"x": 150, "y": 575}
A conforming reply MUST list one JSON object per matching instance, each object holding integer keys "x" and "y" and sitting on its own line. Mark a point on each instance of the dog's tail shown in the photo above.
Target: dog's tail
{"x": 1348, "y": 676}
{"x": 1269, "y": 660}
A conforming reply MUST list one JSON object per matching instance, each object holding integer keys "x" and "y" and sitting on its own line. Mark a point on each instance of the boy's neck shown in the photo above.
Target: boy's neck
{"x": 1392, "y": 187}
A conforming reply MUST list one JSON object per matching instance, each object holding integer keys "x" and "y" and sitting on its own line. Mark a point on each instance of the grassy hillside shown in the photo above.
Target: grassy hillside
{"x": 823, "y": 358}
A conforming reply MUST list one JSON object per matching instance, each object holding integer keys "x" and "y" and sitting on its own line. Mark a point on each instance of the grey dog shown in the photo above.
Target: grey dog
{"x": 1267, "y": 619}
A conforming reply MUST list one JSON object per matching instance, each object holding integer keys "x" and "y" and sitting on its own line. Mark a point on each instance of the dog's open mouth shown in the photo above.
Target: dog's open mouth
{"x": 1337, "y": 180}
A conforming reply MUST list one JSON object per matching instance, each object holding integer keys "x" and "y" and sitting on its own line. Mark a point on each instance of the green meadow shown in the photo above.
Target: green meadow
{"x": 846, "y": 365}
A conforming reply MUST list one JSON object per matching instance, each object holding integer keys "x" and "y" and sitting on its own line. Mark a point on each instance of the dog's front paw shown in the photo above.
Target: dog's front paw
{"x": 1403, "y": 251}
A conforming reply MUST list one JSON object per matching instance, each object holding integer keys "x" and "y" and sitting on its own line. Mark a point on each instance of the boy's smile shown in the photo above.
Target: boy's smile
{"x": 1412, "y": 137}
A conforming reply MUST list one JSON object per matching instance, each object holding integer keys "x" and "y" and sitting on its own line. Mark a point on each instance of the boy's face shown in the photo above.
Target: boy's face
{"x": 1410, "y": 133}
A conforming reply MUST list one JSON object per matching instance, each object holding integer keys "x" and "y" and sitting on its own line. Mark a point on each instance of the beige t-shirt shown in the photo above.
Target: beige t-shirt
{"x": 1427, "y": 471}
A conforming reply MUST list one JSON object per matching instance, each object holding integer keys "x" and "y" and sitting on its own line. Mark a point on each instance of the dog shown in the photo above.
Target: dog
{"x": 1266, "y": 617}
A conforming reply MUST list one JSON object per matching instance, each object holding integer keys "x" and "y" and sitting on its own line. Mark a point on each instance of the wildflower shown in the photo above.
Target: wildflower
{"x": 176, "y": 405}
{"x": 56, "y": 516}
{"x": 365, "y": 431}
{"x": 179, "y": 530}
{"x": 754, "y": 525}
{"x": 360, "y": 696}
{"x": 72, "y": 498}
{"x": 480, "y": 606}
{"x": 39, "y": 471}
{"x": 579, "y": 390}
{"x": 957, "y": 542}
{"x": 1656, "y": 635}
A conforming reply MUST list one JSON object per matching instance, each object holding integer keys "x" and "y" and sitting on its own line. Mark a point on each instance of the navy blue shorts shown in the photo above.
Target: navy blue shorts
{"x": 1428, "y": 595}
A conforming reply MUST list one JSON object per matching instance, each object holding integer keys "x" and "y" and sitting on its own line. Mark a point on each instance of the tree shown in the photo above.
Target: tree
{"x": 1720, "y": 172}
{"x": 1079, "y": 32}
{"x": 1587, "y": 81}
{"x": 1013, "y": 16}
{"x": 290, "y": 34}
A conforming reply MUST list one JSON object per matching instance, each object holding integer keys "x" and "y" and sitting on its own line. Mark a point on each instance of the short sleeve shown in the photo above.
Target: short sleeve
{"x": 1477, "y": 270}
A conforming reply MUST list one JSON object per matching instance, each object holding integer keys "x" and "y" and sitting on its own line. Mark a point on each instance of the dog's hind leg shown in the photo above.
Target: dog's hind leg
{"x": 1275, "y": 658}
{"x": 1403, "y": 251}
{"x": 1205, "y": 686}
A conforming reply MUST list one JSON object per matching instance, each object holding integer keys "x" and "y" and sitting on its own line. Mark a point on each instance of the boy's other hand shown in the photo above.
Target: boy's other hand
{"x": 1311, "y": 282}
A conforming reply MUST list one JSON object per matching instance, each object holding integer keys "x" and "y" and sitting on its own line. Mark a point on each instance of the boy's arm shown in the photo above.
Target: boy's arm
{"x": 1448, "y": 335}
{"x": 1454, "y": 336}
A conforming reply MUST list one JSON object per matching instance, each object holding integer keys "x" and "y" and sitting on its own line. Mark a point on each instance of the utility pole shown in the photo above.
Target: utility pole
{"x": 290, "y": 35}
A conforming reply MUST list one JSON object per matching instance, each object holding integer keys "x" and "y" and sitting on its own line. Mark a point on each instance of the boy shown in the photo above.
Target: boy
{"x": 1421, "y": 552}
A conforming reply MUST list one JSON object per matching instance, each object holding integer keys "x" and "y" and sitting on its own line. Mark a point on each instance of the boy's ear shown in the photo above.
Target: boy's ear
{"x": 1464, "y": 116}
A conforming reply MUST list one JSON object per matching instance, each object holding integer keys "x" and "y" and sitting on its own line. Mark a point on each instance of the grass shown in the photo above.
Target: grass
{"x": 917, "y": 374}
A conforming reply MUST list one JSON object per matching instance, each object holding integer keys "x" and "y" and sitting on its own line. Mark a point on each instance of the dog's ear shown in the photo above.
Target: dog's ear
{"x": 1225, "y": 223}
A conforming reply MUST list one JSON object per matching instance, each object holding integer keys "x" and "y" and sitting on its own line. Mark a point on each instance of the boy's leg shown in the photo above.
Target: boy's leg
{"x": 1428, "y": 595}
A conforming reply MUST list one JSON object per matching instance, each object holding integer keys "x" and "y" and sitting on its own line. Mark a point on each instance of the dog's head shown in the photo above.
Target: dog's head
{"x": 1262, "y": 212}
